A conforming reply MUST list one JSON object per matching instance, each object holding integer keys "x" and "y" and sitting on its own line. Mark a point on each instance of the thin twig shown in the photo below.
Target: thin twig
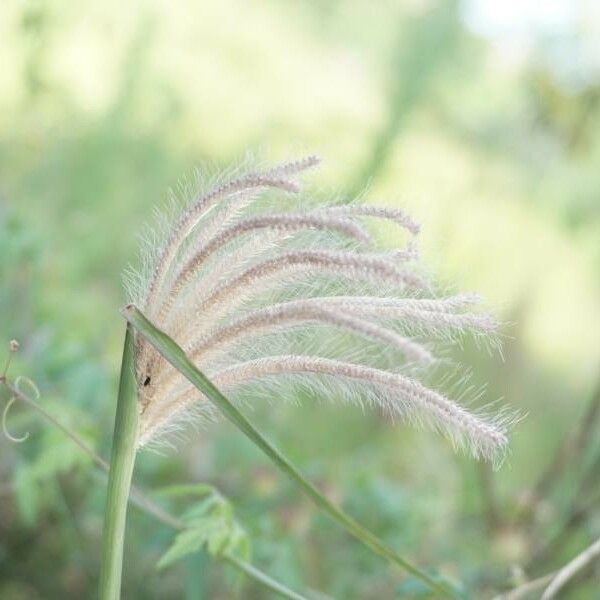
{"x": 139, "y": 499}
{"x": 556, "y": 579}
{"x": 257, "y": 575}
{"x": 580, "y": 562}
{"x": 525, "y": 589}
{"x": 572, "y": 516}
{"x": 99, "y": 461}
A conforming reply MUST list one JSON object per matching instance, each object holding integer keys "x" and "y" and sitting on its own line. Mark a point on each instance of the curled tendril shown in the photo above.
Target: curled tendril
{"x": 31, "y": 391}
{"x": 12, "y": 438}
{"x": 32, "y": 387}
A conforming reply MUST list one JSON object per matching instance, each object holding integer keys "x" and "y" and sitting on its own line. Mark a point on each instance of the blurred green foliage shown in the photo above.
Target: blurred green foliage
{"x": 104, "y": 107}
{"x": 210, "y": 525}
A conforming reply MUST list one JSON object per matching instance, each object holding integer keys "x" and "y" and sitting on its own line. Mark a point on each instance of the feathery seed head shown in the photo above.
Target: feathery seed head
{"x": 248, "y": 290}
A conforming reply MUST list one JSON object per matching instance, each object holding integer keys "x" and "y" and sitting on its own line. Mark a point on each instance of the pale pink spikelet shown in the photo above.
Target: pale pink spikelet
{"x": 284, "y": 223}
{"x": 194, "y": 212}
{"x": 380, "y": 212}
{"x": 301, "y": 312}
{"x": 411, "y": 399}
{"x": 262, "y": 288}
{"x": 326, "y": 262}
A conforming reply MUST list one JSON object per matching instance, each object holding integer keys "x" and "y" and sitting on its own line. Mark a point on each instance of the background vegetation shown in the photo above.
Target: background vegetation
{"x": 488, "y": 131}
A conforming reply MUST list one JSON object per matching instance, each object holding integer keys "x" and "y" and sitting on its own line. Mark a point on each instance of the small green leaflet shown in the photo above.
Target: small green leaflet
{"x": 210, "y": 526}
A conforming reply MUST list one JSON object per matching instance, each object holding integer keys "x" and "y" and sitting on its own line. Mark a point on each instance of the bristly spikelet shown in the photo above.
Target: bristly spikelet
{"x": 259, "y": 285}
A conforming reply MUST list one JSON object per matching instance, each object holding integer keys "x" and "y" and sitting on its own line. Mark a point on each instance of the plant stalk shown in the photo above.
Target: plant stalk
{"x": 264, "y": 579}
{"x": 122, "y": 460}
{"x": 177, "y": 357}
{"x": 146, "y": 504}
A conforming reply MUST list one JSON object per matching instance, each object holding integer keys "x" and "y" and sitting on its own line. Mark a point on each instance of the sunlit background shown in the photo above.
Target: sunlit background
{"x": 481, "y": 118}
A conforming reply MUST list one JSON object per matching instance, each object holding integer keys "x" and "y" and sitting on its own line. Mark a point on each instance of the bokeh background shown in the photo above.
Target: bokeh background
{"x": 480, "y": 118}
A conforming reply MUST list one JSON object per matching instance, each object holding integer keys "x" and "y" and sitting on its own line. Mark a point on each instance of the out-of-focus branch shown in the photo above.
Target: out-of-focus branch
{"x": 422, "y": 48}
{"x": 571, "y": 569}
{"x": 572, "y": 447}
{"x": 573, "y": 516}
{"x": 525, "y": 589}
{"x": 555, "y": 580}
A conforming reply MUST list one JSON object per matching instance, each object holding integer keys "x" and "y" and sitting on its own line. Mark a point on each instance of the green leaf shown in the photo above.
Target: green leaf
{"x": 187, "y": 542}
{"x": 210, "y": 526}
{"x": 213, "y": 534}
{"x": 239, "y": 542}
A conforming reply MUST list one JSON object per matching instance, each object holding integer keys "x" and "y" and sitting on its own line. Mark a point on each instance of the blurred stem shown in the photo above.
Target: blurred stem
{"x": 262, "y": 578}
{"x": 525, "y": 590}
{"x": 142, "y": 501}
{"x": 122, "y": 460}
{"x": 570, "y": 451}
{"x": 569, "y": 458}
{"x": 572, "y": 568}
{"x": 423, "y": 46}
{"x": 177, "y": 357}
{"x": 571, "y": 519}
{"x": 556, "y": 579}
{"x": 488, "y": 496}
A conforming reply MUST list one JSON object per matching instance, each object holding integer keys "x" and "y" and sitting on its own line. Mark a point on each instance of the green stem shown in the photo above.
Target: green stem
{"x": 263, "y": 578}
{"x": 122, "y": 459}
{"x": 140, "y": 500}
{"x": 177, "y": 357}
